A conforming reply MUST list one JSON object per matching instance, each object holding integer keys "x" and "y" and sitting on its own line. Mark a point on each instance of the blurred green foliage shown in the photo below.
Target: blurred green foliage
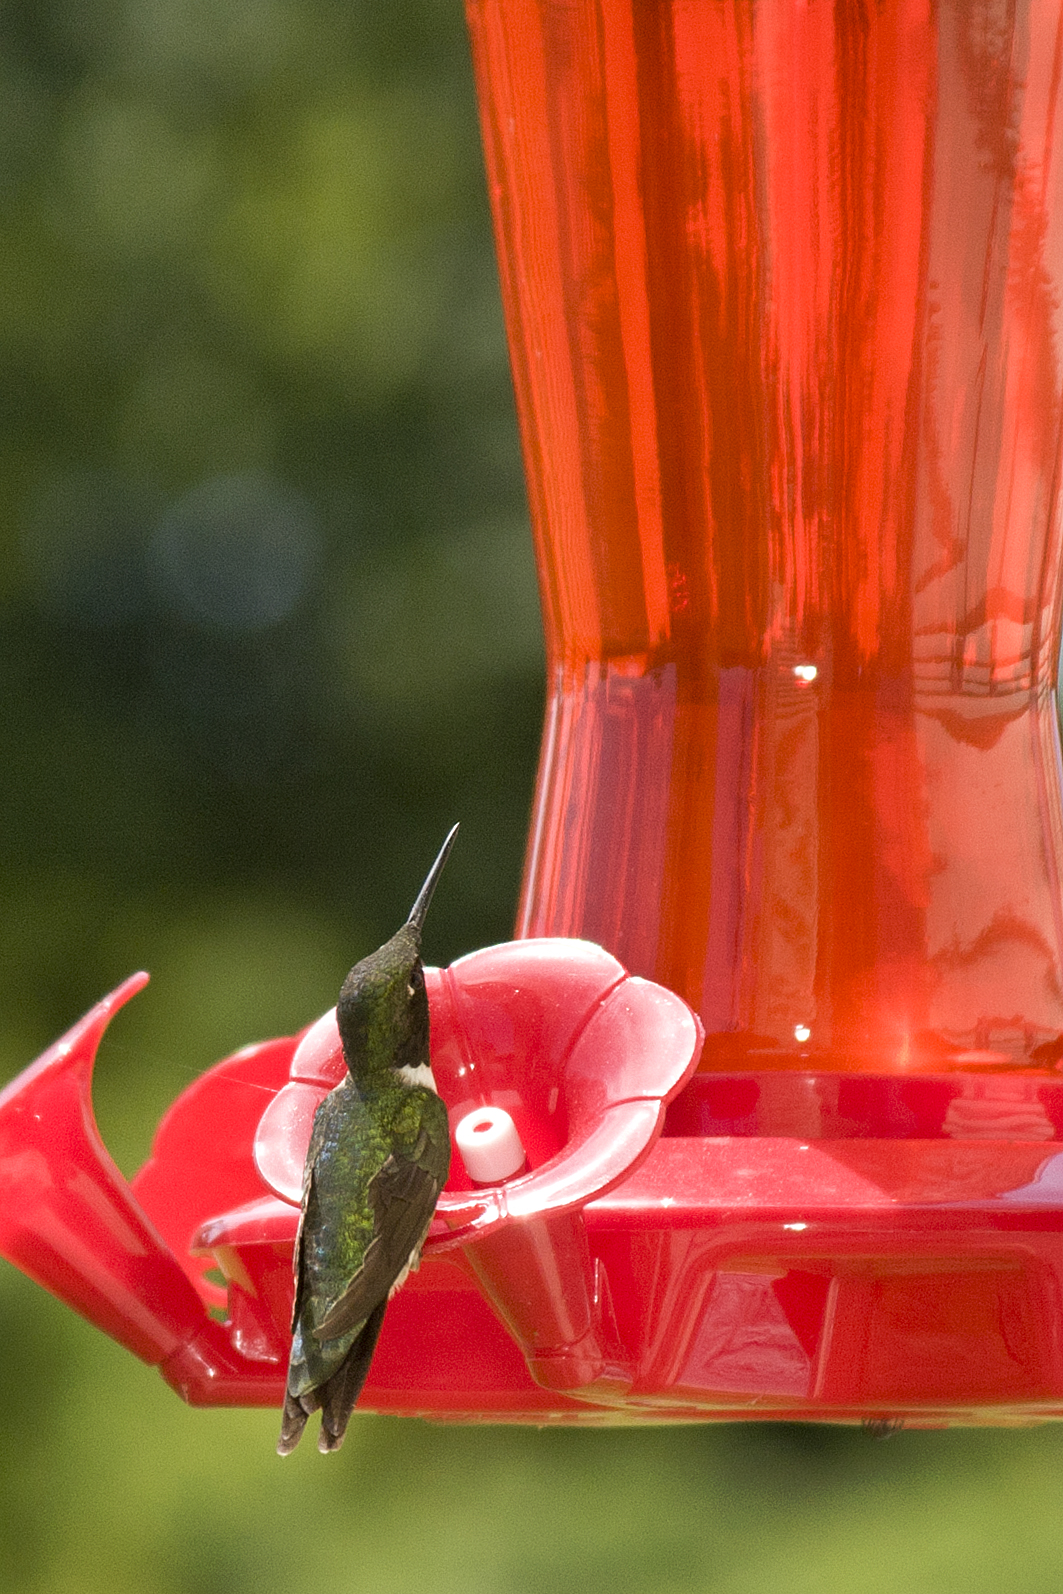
{"x": 268, "y": 600}
{"x": 268, "y": 627}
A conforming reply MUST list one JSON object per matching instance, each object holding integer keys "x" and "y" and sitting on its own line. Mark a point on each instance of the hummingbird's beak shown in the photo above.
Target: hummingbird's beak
{"x": 424, "y": 896}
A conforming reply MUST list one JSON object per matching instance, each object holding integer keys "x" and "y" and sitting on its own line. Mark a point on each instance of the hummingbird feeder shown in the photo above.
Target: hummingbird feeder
{"x": 772, "y": 1076}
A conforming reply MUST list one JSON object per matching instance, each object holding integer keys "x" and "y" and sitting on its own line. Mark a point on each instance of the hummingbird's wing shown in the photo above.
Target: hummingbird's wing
{"x": 317, "y": 1135}
{"x": 297, "y": 1254}
{"x": 403, "y": 1195}
{"x": 339, "y": 1394}
{"x": 330, "y": 1360}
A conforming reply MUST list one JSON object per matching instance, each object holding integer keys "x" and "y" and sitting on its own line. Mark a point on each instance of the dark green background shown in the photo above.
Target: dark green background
{"x": 269, "y": 627}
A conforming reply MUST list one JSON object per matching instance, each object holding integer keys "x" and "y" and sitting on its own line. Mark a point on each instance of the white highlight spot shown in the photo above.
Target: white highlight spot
{"x": 802, "y": 1033}
{"x": 795, "y": 1227}
{"x": 805, "y": 672}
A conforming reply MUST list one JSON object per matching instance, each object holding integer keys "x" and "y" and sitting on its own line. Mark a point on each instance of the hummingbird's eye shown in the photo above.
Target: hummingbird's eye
{"x": 416, "y": 982}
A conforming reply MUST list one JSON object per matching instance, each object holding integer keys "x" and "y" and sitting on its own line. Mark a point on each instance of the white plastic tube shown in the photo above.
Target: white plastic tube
{"x": 490, "y": 1145}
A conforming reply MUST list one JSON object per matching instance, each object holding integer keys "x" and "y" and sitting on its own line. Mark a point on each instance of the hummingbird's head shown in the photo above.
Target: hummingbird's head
{"x": 382, "y": 1012}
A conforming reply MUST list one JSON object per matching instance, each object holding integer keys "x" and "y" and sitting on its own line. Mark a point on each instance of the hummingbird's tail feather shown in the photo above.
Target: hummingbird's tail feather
{"x": 297, "y": 1409}
{"x": 338, "y": 1396}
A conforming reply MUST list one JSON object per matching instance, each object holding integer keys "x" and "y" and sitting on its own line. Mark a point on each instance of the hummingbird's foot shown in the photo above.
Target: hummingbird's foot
{"x": 882, "y": 1427}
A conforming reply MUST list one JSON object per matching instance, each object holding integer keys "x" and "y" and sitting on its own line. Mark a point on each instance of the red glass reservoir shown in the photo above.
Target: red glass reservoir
{"x": 783, "y": 286}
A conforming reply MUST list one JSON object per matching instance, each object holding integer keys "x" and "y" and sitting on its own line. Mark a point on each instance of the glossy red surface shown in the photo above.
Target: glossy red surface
{"x": 783, "y": 287}
{"x": 67, "y": 1216}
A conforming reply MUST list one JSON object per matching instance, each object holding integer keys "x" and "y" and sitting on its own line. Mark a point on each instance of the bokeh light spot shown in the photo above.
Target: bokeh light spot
{"x": 237, "y": 553}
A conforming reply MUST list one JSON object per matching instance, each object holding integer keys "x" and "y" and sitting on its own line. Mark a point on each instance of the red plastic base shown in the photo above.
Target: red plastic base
{"x": 776, "y": 1245}
{"x": 794, "y": 1246}
{"x": 760, "y": 1278}
{"x": 775, "y": 1279}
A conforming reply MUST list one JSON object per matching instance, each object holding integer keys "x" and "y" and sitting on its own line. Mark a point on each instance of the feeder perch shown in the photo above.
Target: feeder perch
{"x": 783, "y": 284}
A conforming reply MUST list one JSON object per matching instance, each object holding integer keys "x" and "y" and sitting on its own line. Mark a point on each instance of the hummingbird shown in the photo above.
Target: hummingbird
{"x": 378, "y": 1157}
